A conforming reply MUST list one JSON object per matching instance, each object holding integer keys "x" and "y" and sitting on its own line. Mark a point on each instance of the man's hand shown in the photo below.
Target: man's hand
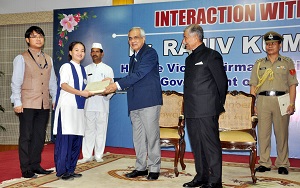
{"x": 111, "y": 88}
{"x": 18, "y": 109}
{"x": 291, "y": 109}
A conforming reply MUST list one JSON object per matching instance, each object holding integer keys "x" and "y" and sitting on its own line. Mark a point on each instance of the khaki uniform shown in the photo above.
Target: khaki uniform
{"x": 269, "y": 111}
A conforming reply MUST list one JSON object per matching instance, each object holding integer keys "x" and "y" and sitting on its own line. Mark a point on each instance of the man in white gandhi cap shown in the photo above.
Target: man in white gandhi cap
{"x": 96, "y": 108}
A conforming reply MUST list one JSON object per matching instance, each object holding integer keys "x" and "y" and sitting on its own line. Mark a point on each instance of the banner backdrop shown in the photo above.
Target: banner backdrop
{"x": 234, "y": 28}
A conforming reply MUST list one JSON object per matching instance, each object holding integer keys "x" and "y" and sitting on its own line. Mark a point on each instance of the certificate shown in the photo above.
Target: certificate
{"x": 97, "y": 87}
{"x": 284, "y": 102}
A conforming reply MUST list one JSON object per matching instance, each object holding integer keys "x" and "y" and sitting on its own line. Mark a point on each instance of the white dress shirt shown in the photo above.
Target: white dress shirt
{"x": 97, "y": 72}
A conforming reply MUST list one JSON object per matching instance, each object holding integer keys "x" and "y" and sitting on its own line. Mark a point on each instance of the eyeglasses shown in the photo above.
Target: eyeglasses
{"x": 37, "y": 37}
{"x": 134, "y": 38}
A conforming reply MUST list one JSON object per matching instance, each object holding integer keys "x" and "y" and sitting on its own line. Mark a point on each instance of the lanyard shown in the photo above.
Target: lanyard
{"x": 39, "y": 65}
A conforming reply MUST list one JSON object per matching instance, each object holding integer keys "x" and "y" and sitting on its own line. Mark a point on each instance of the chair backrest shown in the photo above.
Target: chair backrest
{"x": 239, "y": 109}
{"x": 171, "y": 109}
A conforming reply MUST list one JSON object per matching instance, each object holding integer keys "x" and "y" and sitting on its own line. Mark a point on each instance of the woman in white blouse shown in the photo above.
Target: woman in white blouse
{"x": 69, "y": 113}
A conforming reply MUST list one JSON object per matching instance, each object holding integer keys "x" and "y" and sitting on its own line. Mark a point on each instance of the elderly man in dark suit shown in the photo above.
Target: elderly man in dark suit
{"x": 144, "y": 96}
{"x": 205, "y": 88}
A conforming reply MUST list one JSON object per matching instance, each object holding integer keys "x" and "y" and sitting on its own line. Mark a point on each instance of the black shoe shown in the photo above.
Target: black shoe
{"x": 283, "y": 170}
{"x": 153, "y": 176}
{"x": 28, "y": 174}
{"x": 262, "y": 169}
{"x": 136, "y": 173}
{"x": 212, "y": 185}
{"x": 194, "y": 183}
{"x": 42, "y": 171}
{"x": 67, "y": 176}
{"x": 75, "y": 175}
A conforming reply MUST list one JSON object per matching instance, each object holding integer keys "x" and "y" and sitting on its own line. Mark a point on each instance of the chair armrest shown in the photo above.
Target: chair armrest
{"x": 180, "y": 121}
{"x": 181, "y": 125}
{"x": 254, "y": 118}
{"x": 254, "y": 121}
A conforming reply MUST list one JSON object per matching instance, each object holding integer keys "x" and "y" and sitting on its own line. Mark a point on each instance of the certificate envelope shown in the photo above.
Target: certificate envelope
{"x": 97, "y": 87}
{"x": 284, "y": 102}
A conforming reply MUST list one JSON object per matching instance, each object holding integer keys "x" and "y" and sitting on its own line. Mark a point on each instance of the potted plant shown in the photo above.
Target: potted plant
{"x": 1, "y": 108}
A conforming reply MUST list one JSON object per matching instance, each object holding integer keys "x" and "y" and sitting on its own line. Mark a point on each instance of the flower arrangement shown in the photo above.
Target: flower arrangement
{"x": 68, "y": 23}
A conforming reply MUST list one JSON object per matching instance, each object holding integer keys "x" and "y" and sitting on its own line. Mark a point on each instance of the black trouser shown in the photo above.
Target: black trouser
{"x": 205, "y": 143}
{"x": 33, "y": 124}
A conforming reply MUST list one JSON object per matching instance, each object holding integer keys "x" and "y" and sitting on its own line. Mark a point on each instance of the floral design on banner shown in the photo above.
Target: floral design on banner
{"x": 68, "y": 24}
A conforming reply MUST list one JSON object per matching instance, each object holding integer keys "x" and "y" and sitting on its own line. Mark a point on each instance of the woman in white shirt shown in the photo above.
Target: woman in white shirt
{"x": 69, "y": 113}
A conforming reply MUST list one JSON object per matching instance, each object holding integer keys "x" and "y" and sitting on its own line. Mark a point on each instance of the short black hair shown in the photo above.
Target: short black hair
{"x": 33, "y": 28}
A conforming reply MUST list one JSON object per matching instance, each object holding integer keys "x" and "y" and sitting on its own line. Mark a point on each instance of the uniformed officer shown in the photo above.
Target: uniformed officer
{"x": 271, "y": 77}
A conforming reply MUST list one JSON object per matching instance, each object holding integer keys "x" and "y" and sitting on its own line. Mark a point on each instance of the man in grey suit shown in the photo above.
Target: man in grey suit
{"x": 144, "y": 98}
{"x": 205, "y": 88}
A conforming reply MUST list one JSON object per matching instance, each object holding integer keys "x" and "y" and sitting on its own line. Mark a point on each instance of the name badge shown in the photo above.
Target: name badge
{"x": 281, "y": 67}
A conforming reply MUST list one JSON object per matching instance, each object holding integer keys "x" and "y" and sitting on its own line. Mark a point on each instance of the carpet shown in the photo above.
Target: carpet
{"x": 110, "y": 173}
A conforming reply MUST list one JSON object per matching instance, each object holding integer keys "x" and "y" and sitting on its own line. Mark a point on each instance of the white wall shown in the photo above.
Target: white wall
{"x": 21, "y": 6}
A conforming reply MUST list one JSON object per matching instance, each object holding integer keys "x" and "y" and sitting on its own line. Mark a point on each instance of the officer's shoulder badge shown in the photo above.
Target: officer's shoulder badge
{"x": 260, "y": 60}
{"x": 286, "y": 59}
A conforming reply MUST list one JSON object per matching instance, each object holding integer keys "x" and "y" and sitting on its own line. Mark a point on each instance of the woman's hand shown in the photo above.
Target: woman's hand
{"x": 86, "y": 93}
